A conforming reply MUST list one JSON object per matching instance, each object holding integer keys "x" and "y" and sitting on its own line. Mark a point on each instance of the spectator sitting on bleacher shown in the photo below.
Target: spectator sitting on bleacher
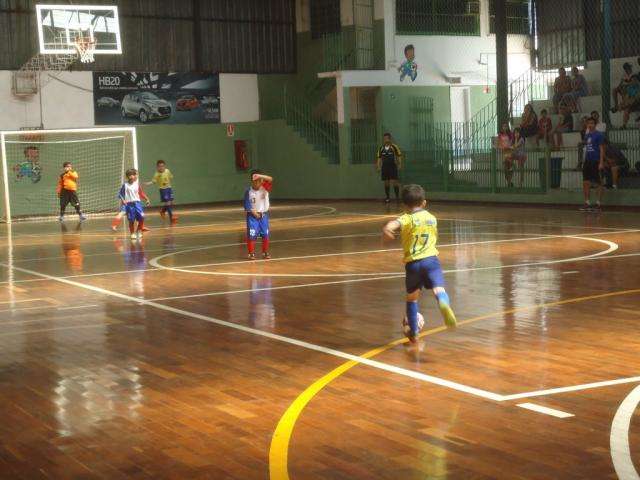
{"x": 505, "y": 138}
{"x": 564, "y": 126}
{"x": 600, "y": 127}
{"x": 544, "y": 128}
{"x": 630, "y": 101}
{"x": 615, "y": 163}
{"x": 579, "y": 88}
{"x": 529, "y": 122}
{"x": 518, "y": 154}
{"x": 620, "y": 91}
{"x": 561, "y": 87}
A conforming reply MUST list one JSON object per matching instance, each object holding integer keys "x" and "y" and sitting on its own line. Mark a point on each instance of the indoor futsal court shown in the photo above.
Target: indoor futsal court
{"x": 297, "y": 368}
{"x": 319, "y": 240}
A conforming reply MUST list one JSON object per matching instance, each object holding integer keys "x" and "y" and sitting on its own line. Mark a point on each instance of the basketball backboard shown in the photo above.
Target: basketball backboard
{"x": 60, "y": 27}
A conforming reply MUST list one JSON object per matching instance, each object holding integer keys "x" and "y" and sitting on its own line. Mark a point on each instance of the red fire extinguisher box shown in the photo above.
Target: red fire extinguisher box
{"x": 242, "y": 154}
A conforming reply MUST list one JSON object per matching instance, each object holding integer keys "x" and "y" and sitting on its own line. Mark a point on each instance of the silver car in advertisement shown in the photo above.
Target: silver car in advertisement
{"x": 145, "y": 106}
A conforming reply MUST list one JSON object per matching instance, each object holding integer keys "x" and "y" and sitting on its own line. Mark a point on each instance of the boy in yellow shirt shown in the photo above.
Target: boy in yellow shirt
{"x": 163, "y": 179}
{"x": 419, "y": 234}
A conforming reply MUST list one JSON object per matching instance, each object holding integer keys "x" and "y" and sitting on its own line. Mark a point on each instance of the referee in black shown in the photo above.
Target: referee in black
{"x": 389, "y": 162}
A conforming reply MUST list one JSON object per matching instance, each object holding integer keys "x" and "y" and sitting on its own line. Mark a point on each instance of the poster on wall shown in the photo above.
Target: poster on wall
{"x": 134, "y": 98}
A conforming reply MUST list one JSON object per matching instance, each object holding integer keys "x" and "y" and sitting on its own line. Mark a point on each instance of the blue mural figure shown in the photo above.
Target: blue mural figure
{"x": 29, "y": 168}
{"x": 409, "y": 67}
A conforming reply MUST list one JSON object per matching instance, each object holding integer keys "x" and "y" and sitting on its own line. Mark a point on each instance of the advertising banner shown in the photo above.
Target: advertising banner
{"x": 134, "y": 98}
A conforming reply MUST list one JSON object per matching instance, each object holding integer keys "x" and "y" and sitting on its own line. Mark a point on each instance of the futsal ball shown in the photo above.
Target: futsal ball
{"x": 405, "y": 324}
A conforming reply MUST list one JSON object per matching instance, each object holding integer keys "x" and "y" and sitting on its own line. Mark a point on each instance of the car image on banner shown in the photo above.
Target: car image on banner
{"x": 188, "y": 102}
{"x": 134, "y": 98}
{"x": 145, "y": 106}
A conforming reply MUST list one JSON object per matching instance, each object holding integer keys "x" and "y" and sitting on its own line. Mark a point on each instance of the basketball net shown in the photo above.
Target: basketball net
{"x": 86, "y": 48}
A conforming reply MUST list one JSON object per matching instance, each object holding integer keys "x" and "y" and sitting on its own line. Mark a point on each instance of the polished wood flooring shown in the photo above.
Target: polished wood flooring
{"x": 175, "y": 358}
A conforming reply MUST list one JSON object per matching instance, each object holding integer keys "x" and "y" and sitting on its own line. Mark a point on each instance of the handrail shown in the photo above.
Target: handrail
{"x": 322, "y": 134}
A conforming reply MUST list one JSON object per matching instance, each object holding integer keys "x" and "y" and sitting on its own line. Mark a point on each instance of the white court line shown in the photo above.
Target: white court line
{"x": 570, "y": 272}
{"x": 55, "y": 329}
{"x": 235, "y": 244}
{"x": 345, "y": 254}
{"x": 272, "y": 336}
{"x": 573, "y": 388}
{"x": 98, "y": 233}
{"x": 336, "y": 353}
{"x": 23, "y": 301}
{"x": 612, "y": 247}
{"x": 619, "y": 438}
{"x": 546, "y": 410}
{"x": 77, "y": 307}
{"x": 222, "y": 245}
{"x": 494, "y": 222}
{"x": 367, "y": 279}
{"x": 155, "y": 262}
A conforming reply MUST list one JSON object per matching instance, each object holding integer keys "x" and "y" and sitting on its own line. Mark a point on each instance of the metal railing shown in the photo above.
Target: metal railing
{"x": 531, "y": 85}
{"x": 438, "y": 17}
{"x": 321, "y": 134}
{"x": 342, "y": 51}
{"x": 364, "y": 141}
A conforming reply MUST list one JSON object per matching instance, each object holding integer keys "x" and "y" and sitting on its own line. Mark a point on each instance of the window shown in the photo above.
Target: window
{"x": 438, "y": 17}
{"x": 517, "y": 17}
{"x": 324, "y": 16}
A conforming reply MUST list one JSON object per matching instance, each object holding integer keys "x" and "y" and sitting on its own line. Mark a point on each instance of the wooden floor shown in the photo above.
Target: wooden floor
{"x": 176, "y": 358}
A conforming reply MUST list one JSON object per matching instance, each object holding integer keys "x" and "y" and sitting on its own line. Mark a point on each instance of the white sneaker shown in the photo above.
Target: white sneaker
{"x": 139, "y": 235}
{"x": 134, "y": 236}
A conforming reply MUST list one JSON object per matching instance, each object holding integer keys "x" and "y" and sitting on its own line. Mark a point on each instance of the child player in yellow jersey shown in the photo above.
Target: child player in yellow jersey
{"x": 419, "y": 234}
{"x": 163, "y": 179}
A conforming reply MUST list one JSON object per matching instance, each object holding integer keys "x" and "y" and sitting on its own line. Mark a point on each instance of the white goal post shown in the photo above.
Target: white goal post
{"x": 32, "y": 162}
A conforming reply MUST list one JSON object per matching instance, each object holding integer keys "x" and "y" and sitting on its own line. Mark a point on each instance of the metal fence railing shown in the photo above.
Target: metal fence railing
{"x": 438, "y": 17}
{"x": 350, "y": 50}
{"x": 364, "y": 141}
{"x": 320, "y": 133}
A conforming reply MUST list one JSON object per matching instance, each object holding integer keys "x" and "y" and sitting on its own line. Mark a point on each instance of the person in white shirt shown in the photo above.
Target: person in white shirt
{"x": 256, "y": 206}
{"x": 131, "y": 196}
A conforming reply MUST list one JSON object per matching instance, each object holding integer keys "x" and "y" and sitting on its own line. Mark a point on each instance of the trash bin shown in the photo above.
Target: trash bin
{"x": 556, "y": 172}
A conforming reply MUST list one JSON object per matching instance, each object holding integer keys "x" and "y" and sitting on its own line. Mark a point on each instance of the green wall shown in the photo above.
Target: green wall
{"x": 479, "y": 99}
{"x": 201, "y": 158}
{"x": 300, "y": 172}
{"x": 202, "y": 161}
{"x": 395, "y": 109}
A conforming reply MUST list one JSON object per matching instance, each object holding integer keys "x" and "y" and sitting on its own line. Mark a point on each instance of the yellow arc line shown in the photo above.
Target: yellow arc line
{"x": 279, "y": 449}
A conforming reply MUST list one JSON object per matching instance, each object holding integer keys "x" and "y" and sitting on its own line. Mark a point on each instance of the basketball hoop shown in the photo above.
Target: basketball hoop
{"x": 86, "y": 48}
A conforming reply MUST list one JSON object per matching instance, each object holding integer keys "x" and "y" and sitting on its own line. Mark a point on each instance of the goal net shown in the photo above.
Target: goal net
{"x": 32, "y": 163}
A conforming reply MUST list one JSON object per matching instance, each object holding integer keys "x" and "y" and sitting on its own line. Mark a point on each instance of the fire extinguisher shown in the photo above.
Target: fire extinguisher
{"x": 242, "y": 156}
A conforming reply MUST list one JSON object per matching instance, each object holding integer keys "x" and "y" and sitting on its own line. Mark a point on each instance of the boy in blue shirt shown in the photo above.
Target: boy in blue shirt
{"x": 593, "y": 165}
{"x": 419, "y": 235}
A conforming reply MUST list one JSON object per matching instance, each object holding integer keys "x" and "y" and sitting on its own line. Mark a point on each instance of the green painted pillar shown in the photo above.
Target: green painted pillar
{"x": 344, "y": 131}
{"x": 607, "y": 53}
{"x": 502, "y": 66}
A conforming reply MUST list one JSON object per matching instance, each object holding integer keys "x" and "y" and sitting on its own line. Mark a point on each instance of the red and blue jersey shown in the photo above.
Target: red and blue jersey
{"x": 257, "y": 200}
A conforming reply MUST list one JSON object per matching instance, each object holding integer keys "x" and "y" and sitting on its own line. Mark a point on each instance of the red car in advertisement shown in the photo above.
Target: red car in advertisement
{"x": 187, "y": 102}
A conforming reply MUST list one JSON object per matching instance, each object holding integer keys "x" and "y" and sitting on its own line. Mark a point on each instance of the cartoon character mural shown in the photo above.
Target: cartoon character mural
{"x": 409, "y": 67}
{"x": 30, "y": 167}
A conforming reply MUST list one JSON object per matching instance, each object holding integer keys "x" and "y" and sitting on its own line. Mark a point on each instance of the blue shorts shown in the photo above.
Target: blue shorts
{"x": 135, "y": 211}
{"x": 257, "y": 227}
{"x": 166, "y": 194}
{"x": 425, "y": 273}
{"x": 123, "y": 208}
